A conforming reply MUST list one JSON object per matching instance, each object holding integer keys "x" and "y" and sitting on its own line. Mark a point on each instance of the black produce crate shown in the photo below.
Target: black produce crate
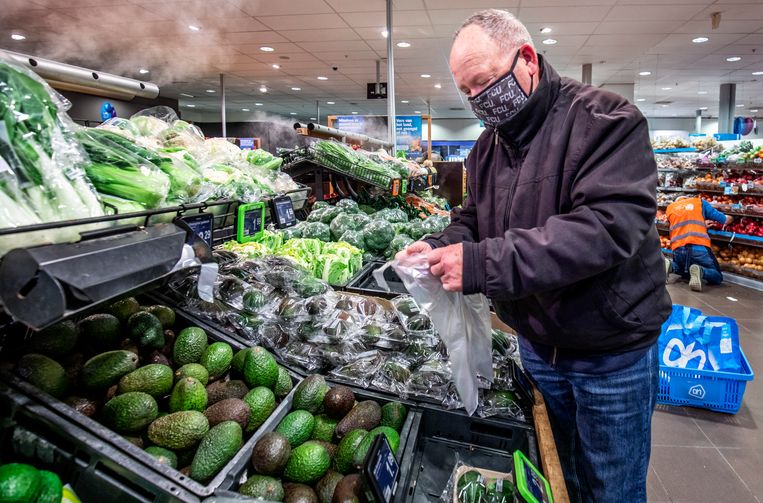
{"x": 64, "y": 417}
{"x": 364, "y": 282}
{"x": 31, "y": 433}
{"x": 443, "y": 439}
{"x": 407, "y": 439}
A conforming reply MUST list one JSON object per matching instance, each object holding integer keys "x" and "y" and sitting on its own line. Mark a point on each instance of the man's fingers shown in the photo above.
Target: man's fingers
{"x": 437, "y": 269}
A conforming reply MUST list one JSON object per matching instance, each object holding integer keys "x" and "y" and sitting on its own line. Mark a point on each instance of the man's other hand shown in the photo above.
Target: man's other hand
{"x": 448, "y": 264}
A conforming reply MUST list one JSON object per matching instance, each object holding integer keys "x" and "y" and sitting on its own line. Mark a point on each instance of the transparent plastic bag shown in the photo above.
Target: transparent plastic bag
{"x": 472, "y": 484}
{"x": 394, "y": 374}
{"x": 432, "y": 379}
{"x": 462, "y": 321}
{"x": 361, "y": 370}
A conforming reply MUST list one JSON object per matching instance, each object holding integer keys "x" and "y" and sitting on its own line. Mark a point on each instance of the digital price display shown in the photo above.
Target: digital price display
{"x": 250, "y": 222}
{"x": 201, "y": 224}
{"x": 380, "y": 471}
{"x": 283, "y": 212}
{"x": 531, "y": 484}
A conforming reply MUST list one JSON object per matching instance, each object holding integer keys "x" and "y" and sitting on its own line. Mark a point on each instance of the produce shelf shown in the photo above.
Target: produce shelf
{"x": 675, "y": 150}
{"x": 724, "y": 237}
{"x": 675, "y": 189}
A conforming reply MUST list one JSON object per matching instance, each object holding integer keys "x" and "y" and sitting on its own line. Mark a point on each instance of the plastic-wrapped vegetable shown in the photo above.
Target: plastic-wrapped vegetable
{"x": 319, "y": 205}
{"x": 355, "y": 238}
{"x": 348, "y": 206}
{"x": 293, "y": 232}
{"x": 391, "y": 215}
{"x": 317, "y": 230}
{"x": 378, "y": 234}
{"x": 416, "y": 230}
{"x": 329, "y": 214}
{"x": 398, "y": 243}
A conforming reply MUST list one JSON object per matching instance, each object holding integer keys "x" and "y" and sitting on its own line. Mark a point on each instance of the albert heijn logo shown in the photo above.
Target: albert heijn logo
{"x": 697, "y": 391}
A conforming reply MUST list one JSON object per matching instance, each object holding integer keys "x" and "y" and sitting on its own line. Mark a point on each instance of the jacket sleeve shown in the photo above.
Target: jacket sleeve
{"x": 613, "y": 207}
{"x": 711, "y": 213}
{"x": 463, "y": 224}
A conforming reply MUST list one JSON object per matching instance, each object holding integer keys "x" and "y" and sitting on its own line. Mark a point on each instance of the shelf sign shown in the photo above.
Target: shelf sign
{"x": 283, "y": 212}
{"x": 728, "y": 189}
{"x": 201, "y": 225}
{"x": 250, "y": 222}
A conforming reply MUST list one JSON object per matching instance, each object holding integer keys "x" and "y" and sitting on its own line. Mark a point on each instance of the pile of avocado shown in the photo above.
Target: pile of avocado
{"x": 22, "y": 483}
{"x": 317, "y": 450}
{"x": 189, "y": 401}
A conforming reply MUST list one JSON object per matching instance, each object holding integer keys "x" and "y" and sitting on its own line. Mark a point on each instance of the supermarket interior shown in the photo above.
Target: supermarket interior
{"x": 226, "y": 274}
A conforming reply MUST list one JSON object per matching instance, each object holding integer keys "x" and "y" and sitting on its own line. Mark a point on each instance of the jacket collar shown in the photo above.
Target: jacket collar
{"x": 521, "y": 129}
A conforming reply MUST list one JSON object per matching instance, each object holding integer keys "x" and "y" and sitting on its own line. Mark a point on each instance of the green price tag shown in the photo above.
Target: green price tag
{"x": 531, "y": 484}
{"x": 250, "y": 222}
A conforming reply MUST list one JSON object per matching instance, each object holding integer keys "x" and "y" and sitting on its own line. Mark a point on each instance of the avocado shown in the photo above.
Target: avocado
{"x": 239, "y": 359}
{"x": 349, "y": 490}
{"x": 471, "y": 487}
{"x": 365, "y": 415}
{"x": 188, "y": 394}
{"x": 262, "y": 487}
{"x": 134, "y": 440}
{"x": 326, "y": 486}
{"x": 330, "y": 448}
{"x": 154, "y": 379}
{"x": 362, "y": 451}
{"x": 55, "y": 341}
{"x": 271, "y": 453}
{"x": 43, "y": 372}
{"x": 195, "y": 370}
{"x": 393, "y": 414}
{"x": 338, "y": 402}
{"x": 52, "y": 490}
{"x": 299, "y": 493}
{"x": 124, "y": 308}
{"x": 130, "y": 412}
{"x": 105, "y": 369}
{"x": 230, "y": 409}
{"x": 157, "y": 357}
{"x": 283, "y": 384}
{"x": 185, "y": 457}
{"x": 164, "y": 456}
{"x": 129, "y": 345}
{"x": 179, "y": 430}
{"x": 164, "y": 314}
{"x": 297, "y": 427}
{"x": 324, "y": 428}
{"x": 218, "y": 446}
{"x": 190, "y": 344}
{"x": 310, "y": 393}
{"x": 102, "y": 331}
{"x": 260, "y": 368}
{"x": 82, "y": 405}
{"x": 221, "y": 390}
{"x": 146, "y": 329}
{"x": 346, "y": 450}
{"x": 418, "y": 322}
{"x": 217, "y": 359}
{"x": 307, "y": 463}
{"x": 20, "y": 483}
{"x": 262, "y": 403}
{"x": 254, "y": 300}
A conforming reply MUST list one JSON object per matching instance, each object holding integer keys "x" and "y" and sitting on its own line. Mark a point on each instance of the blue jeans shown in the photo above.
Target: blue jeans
{"x": 602, "y": 426}
{"x": 688, "y": 255}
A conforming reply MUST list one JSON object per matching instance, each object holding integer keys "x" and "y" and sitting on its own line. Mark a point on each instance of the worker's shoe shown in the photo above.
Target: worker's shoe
{"x": 668, "y": 268}
{"x": 695, "y": 278}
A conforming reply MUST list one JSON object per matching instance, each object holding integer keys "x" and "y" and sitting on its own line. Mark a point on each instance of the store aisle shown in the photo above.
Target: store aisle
{"x": 700, "y": 456}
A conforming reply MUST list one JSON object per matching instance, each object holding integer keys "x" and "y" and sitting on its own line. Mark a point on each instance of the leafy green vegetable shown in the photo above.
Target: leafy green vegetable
{"x": 378, "y": 235}
{"x": 317, "y": 230}
{"x": 355, "y": 238}
{"x": 348, "y": 206}
{"x": 391, "y": 215}
{"x": 399, "y": 242}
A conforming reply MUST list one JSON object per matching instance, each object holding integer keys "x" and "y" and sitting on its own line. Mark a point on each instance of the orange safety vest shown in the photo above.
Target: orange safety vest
{"x": 687, "y": 224}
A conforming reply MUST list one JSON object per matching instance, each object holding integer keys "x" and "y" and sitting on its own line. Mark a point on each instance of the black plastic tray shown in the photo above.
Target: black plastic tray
{"x": 65, "y": 416}
{"x": 442, "y": 441}
{"x": 364, "y": 282}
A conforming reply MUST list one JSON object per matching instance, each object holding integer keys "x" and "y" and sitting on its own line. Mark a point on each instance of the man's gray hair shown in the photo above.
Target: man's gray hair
{"x": 501, "y": 26}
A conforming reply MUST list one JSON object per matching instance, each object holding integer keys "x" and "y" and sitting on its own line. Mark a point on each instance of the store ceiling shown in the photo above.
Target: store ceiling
{"x": 619, "y": 37}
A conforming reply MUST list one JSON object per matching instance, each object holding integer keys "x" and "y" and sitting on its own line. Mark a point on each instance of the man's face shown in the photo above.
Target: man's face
{"x": 476, "y": 61}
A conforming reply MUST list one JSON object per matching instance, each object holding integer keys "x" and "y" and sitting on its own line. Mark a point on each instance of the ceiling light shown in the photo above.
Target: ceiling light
{"x": 296, "y": 88}
{"x": 193, "y": 27}
{"x": 385, "y": 33}
{"x": 740, "y": 105}
{"x": 667, "y": 88}
{"x": 263, "y": 89}
{"x": 701, "y": 92}
{"x": 186, "y": 95}
{"x": 191, "y": 106}
{"x": 258, "y": 104}
{"x": 18, "y": 36}
{"x": 292, "y": 113}
{"x": 403, "y": 101}
{"x": 425, "y": 75}
{"x": 313, "y": 119}
{"x": 417, "y": 112}
{"x": 321, "y": 77}
{"x": 276, "y": 66}
{"x": 210, "y": 90}
{"x": 732, "y": 59}
{"x": 664, "y": 106}
{"x": 732, "y": 299}
{"x": 143, "y": 71}
{"x": 754, "y": 110}
{"x": 438, "y": 86}
{"x": 644, "y": 74}
{"x": 700, "y": 40}
{"x": 757, "y": 73}
{"x": 549, "y": 41}
{"x": 265, "y": 48}
{"x": 404, "y": 45}
{"x": 354, "y": 113}
{"x": 703, "y": 108}
{"x": 245, "y": 110}
{"x": 641, "y": 99}
{"x": 330, "y": 103}
{"x": 545, "y": 29}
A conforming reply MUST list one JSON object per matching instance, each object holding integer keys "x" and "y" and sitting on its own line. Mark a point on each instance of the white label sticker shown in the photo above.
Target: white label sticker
{"x": 744, "y": 187}
{"x": 725, "y": 345}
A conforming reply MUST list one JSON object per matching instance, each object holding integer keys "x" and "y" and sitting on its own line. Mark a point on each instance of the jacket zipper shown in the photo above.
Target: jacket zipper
{"x": 553, "y": 358}
{"x": 514, "y": 156}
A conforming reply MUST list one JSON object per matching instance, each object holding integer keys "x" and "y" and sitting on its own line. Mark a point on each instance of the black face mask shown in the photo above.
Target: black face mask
{"x": 500, "y": 101}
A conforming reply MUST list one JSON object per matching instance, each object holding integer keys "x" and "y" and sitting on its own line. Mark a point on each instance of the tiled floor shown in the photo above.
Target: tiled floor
{"x": 700, "y": 456}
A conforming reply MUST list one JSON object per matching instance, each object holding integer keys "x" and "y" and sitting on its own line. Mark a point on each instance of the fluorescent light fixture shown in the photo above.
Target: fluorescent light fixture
{"x": 703, "y": 108}
{"x": 385, "y": 33}
{"x": 667, "y": 88}
{"x": 263, "y": 89}
{"x": 210, "y": 91}
{"x": 757, "y": 73}
{"x": 321, "y": 77}
{"x": 550, "y": 41}
{"x": 245, "y": 110}
{"x": 403, "y": 101}
{"x": 143, "y": 71}
{"x": 644, "y": 74}
{"x": 438, "y": 86}
{"x": 417, "y": 112}
{"x": 404, "y": 45}
{"x": 740, "y": 105}
{"x": 18, "y": 36}
{"x": 732, "y": 299}
{"x": 186, "y": 95}
{"x": 754, "y": 110}
{"x": 664, "y": 106}
{"x": 191, "y": 106}
{"x": 266, "y": 48}
{"x": 296, "y": 88}
{"x": 545, "y": 29}
{"x": 193, "y": 27}
{"x": 292, "y": 113}
{"x": 330, "y": 103}
{"x": 701, "y": 92}
{"x": 425, "y": 75}
{"x": 641, "y": 99}
{"x": 700, "y": 40}
{"x": 258, "y": 104}
{"x": 732, "y": 59}
{"x": 276, "y": 66}
{"x": 313, "y": 119}
{"x": 354, "y": 113}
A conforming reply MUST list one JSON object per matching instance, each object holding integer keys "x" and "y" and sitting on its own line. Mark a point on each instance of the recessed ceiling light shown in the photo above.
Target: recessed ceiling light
{"x": 265, "y": 48}
{"x": 700, "y": 40}
{"x": 258, "y": 104}
{"x": 549, "y": 41}
{"x": 732, "y": 59}
{"x": 292, "y": 113}
{"x": 276, "y": 66}
{"x": 757, "y": 73}
{"x": 210, "y": 90}
{"x": 263, "y": 89}
{"x": 664, "y": 106}
{"x": 18, "y": 36}
{"x": 385, "y": 33}
{"x": 143, "y": 71}
{"x": 703, "y": 108}
{"x": 245, "y": 110}
{"x": 644, "y": 74}
{"x": 732, "y": 299}
{"x": 667, "y": 88}
{"x": 321, "y": 77}
{"x": 313, "y": 119}
{"x": 186, "y": 95}
{"x": 754, "y": 110}
{"x": 354, "y": 113}
{"x": 417, "y": 112}
{"x": 701, "y": 92}
{"x": 404, "y": 45}
{"x": 296, "y": 88}
{"x": 193, "y": 27}
{"x": 403, "y": 101}
{"x": 191, "y": 106}
{"x": 330, "y": 103}
{"x": 740, "y": 105}
{"x": 425, "y": 75}
{"x": 545, "y": 29}
{"x": 438, "y": 86}
{"x": 641, "y": 99}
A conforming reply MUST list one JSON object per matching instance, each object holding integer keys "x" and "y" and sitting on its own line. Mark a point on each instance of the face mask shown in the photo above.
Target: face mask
{"x": 500, "y": 101}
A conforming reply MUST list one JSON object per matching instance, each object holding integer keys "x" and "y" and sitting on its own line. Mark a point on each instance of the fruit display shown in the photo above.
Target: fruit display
{"x": 317, "y": 450}
{"x": 665, "y": 242}
{"x": 741, "y": 259}
{"x": 189, "y": 401}
{"x": 21, "y": 482}
{"x": 665, "y": 143}
{"x": 745, "y": 225}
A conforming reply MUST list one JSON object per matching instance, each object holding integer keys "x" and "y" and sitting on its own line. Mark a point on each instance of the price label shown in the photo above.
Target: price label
{"x": 744, "y": 187}
{"x": 380, "y": 471}
{"x": 250, "y": 222}
{"x": 757, "y": 160}
{"x": 728, "y": 189}
{"x": 723, "y": 183}
{"x": 201, "y": 224}
{"x": 737, "y": 207}
{"x": 283, "y": 211}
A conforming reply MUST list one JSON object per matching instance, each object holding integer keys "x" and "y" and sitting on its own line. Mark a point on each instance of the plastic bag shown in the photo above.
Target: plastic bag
{"x": 463, "y": 323}
{"x": 471, "y": 484}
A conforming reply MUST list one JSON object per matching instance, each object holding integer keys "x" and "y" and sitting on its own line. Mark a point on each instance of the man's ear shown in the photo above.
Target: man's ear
{"x": 528, "y": 54}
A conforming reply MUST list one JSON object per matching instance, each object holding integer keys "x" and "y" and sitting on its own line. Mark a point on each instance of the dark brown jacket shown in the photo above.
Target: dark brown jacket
{"x": 558, "y": 226}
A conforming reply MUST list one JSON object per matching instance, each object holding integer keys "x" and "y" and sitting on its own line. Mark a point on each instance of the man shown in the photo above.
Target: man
{"x": 558, "y": 230}
{"x": 693, "y": 258}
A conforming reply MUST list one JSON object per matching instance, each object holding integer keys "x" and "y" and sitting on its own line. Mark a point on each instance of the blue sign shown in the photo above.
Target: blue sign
{"x": 107, "y": 111}
{"x": 352, "y": 124}
{"x": 727, "y": 137}
{"x": 408, "y": 131}
{"x": 246, "y": 143}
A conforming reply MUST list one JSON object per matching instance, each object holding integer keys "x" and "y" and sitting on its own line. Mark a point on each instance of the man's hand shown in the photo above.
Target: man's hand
{"x": 729, "y": 219}
{"x": 448, "y": 264}
{"x": 417, "y": 247}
